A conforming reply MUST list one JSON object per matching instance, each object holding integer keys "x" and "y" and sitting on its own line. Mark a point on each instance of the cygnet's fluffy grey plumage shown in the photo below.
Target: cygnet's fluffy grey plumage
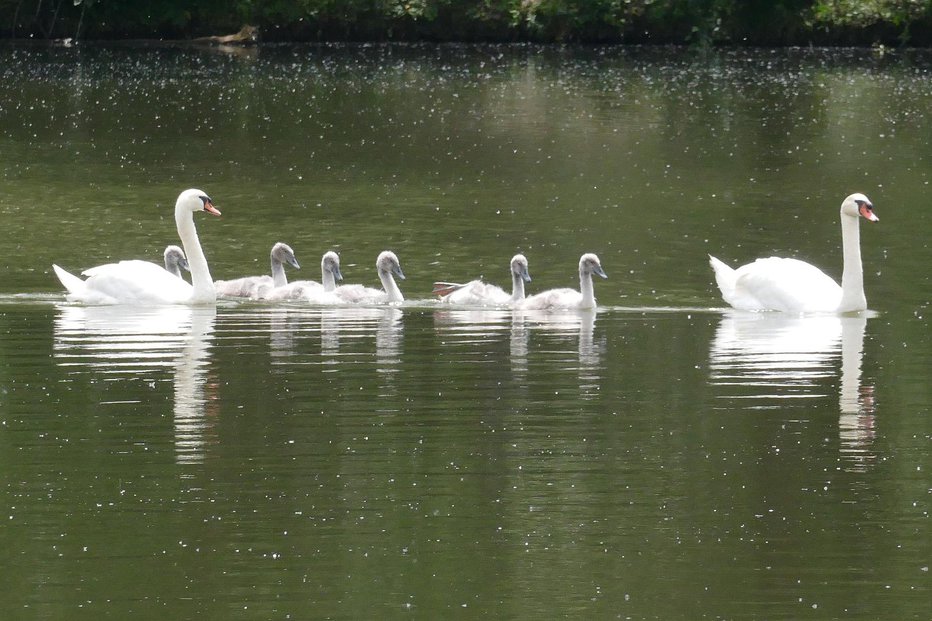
{"x": 175, "y": 261}
{"x": 479, "y": 293}
{"x": 254, "y": 286}
{"x": 309, "y": 290}
{"x": 388, "y": 268}
{"x": 589, "y": 264}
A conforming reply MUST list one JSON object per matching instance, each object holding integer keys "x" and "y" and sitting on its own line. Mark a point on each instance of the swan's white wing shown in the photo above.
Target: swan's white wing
{"x": 132, "y": 282}
{"x": 784, "y": 285}
{"x": 123, "y": 267}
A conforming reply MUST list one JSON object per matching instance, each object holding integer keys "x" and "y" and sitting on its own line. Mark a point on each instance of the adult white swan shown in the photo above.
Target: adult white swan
{"x": 256, "y": 286}
{"x": 142, "y": 282}
{"x": 795, "y": 286}
{"x": 175, "y": 261}
{"x": 589, "y": 264}
{"x": 388, "y": 267}
{"x": 478, "y": 293}
{"x": 309, "y": 290}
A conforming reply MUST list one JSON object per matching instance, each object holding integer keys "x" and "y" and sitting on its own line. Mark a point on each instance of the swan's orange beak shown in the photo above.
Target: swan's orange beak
{"x": 867, "y": 211}
{"x": 209, "y": 208}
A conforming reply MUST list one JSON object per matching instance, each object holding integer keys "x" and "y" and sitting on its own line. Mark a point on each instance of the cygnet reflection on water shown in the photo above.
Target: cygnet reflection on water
{"x": 476, "y": 328}
{"x": 767, "y": 358}
{"x": 342, "y": 333}
{"x": 578, "y": 325}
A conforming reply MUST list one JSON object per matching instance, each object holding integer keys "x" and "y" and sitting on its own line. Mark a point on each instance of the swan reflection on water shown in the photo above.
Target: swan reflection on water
{"x": 767, "y": 358}
{"x": 120, "y": 341}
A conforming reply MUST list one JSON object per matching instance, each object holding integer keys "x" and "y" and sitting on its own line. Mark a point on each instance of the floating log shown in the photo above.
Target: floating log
{"x": 247, "y": 35}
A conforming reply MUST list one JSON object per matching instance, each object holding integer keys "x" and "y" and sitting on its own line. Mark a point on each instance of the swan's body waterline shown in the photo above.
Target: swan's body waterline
{"x": 142, "y": 282}
{"x": 479, "y": 293}
{"x": 565, "y": 298}
{"x": 791, "y": 285}
{"x": 256, "y": 287}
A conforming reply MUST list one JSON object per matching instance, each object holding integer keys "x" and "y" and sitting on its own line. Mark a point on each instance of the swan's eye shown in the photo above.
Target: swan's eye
{"x": 205, "y": 199}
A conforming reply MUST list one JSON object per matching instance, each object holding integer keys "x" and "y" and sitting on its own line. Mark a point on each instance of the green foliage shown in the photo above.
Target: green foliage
{"x": 574, "y": 19}
{"x": 863, "y": 13}
{"x": 700, "y": 22}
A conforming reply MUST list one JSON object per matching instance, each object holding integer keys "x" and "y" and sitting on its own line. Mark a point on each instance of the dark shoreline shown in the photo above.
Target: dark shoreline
{"x": 695, "y": 23}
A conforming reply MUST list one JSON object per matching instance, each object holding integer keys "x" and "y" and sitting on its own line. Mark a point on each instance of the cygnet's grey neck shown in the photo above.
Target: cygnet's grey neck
{"x": 279, "y": 279}
{"x": 517, "y": 286}
{"x": 390, "y": 286}
{"x": 586, "y": 288}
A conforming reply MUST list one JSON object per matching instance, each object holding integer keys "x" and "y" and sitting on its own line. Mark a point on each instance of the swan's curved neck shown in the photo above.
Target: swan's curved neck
{"x": 517, "y": 287}
{"x": 200, "y": 274}
{"x": 586, "y": 288}
{"x": 852, "y": 277}
{"x": 278, "y": 273}
{"x": 391, "y": 288}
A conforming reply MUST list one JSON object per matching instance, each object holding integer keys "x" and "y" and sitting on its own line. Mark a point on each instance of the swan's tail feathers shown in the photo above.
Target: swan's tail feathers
{"x": 725, "y": 278}
{"x": 443, "y": 289}
{"x": 72, "y": 283}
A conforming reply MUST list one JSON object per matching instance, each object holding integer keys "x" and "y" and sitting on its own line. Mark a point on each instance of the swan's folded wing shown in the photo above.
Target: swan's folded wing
{"x": 132, "y": 267}
{"x": 784, "y": 285}
{"x": 139, "y": 282}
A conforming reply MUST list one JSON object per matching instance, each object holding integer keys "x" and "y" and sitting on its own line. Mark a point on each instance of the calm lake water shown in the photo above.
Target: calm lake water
{"x": 659, "y": 458}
